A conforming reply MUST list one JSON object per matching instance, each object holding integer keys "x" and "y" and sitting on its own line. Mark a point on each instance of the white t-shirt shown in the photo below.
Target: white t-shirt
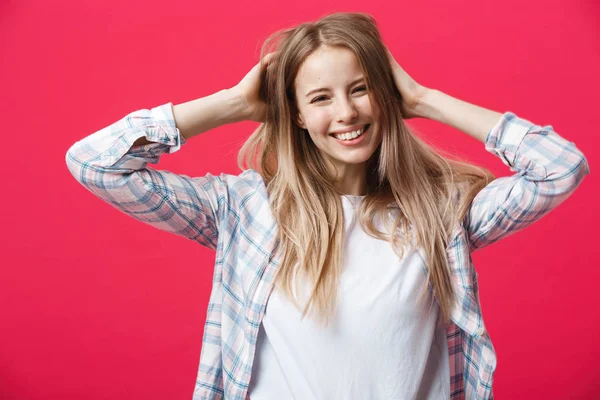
{"x": 381, "y": 344}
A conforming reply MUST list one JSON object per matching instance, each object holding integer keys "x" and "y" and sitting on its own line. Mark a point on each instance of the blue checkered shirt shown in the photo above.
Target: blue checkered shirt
{"x": 230, "y": 214}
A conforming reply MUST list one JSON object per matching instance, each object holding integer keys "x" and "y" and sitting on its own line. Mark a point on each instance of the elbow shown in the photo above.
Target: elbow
{"x": 80, "y": 165}
{"x": 579, "y": 169}
{"x": 74, "y": 163}
{"x": 579, "y": 172}
{"x": 570, "y": 176}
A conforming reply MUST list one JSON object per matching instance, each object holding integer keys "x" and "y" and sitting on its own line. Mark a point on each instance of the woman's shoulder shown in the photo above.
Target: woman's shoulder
{"x": 247, "y": 183}
{"x": 249, "y": 200}
{"x": 250, "y": 177}
{"x": 458, "y": 189}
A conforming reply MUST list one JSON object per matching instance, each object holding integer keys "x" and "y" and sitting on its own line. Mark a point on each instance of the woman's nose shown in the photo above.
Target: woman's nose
{"x": 346, "y": 111}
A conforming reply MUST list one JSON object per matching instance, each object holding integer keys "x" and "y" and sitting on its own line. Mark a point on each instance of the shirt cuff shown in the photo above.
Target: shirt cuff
{"x": 164, "y": 130}
{"x": 506, "y": 136}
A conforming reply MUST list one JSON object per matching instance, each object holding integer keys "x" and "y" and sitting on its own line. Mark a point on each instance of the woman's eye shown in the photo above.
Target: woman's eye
{"x": 316, "y": 99}
{"x": 323, "y": 98}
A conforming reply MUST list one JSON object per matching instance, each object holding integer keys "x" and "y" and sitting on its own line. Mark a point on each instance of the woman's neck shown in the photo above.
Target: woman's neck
{"x": 351, "y": 179}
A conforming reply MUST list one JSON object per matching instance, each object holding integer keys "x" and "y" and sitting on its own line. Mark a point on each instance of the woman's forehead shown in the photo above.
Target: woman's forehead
{"x": 328, "y": 66}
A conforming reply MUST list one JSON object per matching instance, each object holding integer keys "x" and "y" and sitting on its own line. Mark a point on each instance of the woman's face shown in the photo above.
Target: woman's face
{"x": 335, "y": 108}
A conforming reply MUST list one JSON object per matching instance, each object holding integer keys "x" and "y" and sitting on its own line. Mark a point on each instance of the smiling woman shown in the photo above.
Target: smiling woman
{"x": 336, "y": 116}
{"x": 337, "y": 74}
{"x": 342, "y": 211}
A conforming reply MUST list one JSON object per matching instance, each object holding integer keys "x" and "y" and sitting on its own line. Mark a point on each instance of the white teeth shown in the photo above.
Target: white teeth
{"x": 350, "y": 135}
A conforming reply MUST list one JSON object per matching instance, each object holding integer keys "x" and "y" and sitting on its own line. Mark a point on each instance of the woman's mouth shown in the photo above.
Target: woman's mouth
{"x": 352, "y": 138}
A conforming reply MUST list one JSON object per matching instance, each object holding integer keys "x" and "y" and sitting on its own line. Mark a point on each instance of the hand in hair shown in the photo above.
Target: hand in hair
{"x": 412, "y": 92}
{"x": 248, "y": 90}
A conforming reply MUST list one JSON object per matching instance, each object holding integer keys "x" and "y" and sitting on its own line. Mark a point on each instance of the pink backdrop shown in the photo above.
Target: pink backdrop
{"x": 95, "y": 305}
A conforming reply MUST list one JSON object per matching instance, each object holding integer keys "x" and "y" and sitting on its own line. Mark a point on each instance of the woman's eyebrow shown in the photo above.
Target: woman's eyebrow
{"x": 354, "y": 82}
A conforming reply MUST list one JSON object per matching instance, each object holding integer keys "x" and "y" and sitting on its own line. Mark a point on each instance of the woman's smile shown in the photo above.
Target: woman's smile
{"x": 352, "y": 138}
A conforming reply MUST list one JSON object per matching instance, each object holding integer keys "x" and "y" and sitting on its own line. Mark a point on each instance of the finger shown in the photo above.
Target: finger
{"x": 267, "y": 59}
{"x": 389, "y": 53}
{"x": 391, "y": 58}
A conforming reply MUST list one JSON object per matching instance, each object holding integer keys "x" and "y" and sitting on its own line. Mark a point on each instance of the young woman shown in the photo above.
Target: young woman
{"x": 340, "y": 211}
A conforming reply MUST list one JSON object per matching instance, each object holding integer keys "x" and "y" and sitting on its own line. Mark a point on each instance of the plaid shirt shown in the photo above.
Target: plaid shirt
{"x": 231, "y": 215}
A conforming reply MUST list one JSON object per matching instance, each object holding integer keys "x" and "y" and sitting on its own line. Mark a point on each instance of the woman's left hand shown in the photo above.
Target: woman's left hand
{"x": 412, "y": 93}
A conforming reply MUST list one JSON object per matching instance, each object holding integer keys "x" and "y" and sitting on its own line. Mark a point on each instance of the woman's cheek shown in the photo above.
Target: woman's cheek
{"x": 366, "y": 106}
{"x": 322, "y": 119}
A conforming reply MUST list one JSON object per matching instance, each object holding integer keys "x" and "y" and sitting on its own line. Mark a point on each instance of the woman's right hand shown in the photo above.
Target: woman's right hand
{"x": 248, "y": 90}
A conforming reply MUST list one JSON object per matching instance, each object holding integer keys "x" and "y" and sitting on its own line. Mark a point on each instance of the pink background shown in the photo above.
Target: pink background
{"x": 95, "y": 305}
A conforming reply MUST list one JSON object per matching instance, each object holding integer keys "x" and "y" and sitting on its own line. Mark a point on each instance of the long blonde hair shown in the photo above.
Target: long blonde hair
{"x": 405, "y": 175}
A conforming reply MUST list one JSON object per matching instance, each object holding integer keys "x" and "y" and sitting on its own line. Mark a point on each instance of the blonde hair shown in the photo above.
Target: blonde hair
{"x": 405, "y": 175}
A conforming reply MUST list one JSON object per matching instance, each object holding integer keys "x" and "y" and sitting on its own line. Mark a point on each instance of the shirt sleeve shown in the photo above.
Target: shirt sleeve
{"x": 108, "y": 165}
{"x": 547, "y": 167}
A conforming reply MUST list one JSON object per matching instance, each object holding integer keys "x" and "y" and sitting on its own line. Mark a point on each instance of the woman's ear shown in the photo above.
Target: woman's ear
{"x": 300, "y": 121}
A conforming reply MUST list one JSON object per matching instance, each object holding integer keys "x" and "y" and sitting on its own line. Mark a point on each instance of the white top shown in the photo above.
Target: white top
{"x": 381, "y": 344}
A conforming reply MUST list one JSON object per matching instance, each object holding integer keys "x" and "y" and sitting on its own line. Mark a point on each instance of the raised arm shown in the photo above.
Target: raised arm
{"x": 113, "y": 162}
{"x": 548, "y": 168}
{"x": 197, "y": 116}
{"x": 227, "y": 106}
